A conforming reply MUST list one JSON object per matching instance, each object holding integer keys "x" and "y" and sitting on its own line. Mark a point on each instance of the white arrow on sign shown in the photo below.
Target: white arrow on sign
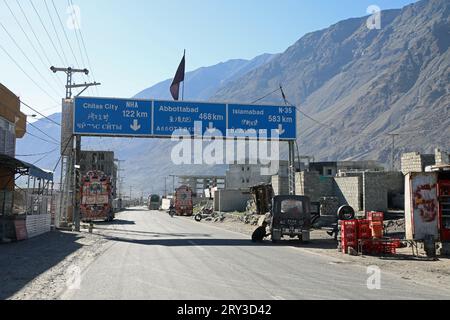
{"x": 281, "y": 131}
{"x": 135, "y": 126}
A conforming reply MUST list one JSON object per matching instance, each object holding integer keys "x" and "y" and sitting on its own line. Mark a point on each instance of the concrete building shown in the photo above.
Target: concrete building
{"x": 361, "y": 184}
{"x": 27, "y": 211}
{"x": 100, "y": 161}
{"x": 331, "y": 169}
{"x": 243, "y": 177}
{"x": 442, "y": 157}
{"x": 416, "y": 162}
{"x": 231, "y": 200}
{"x": 200, "y": 183}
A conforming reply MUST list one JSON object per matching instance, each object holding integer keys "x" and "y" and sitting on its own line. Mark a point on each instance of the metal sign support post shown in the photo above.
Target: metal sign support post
{"x": 74, "y": 157}
{"x": 291, "y": 167}
{"x": 77, "y": 190}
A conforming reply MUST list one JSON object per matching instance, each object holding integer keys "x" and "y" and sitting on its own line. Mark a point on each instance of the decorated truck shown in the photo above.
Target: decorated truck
{"x": 183, "y": 201}
{"x": 96, "y": 197}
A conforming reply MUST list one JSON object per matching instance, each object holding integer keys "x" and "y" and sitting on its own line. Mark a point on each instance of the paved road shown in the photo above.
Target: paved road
{"x": 158, "y": 257}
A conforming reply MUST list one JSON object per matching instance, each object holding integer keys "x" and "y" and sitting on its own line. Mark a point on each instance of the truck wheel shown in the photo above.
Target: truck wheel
{"x": 276, "y": 237}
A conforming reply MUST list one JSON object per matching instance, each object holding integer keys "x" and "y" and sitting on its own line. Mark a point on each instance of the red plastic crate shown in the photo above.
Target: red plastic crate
{"x": 375, "y": 216}
{"x": 377, "y": 228}
{"x": 349, "y": 235}
{"x": 364, "y": 231}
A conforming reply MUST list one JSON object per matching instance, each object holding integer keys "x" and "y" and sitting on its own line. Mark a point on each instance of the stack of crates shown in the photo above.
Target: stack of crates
{"x": 376, "y": 220}
{"x": 365, "y": 234}
{"x": 349, "y": 235}
{"x": 392, "y": 246}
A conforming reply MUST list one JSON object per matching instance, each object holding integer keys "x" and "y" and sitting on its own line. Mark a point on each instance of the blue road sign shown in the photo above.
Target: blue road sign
{"x": 179, "y": 115}
{"x": 260, "y": 117}
{"x": 154, "y": 118}
{"x": 112, "y": 117}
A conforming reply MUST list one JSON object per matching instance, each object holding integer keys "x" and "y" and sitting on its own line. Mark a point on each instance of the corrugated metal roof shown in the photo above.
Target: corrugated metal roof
{"x": 32, "y": 170}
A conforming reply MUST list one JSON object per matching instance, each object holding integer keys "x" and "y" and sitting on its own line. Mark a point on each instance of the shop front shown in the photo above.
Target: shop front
{"x": 25, "y": 207}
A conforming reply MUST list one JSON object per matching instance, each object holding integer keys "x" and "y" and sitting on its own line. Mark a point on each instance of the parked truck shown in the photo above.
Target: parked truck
{"x": 183, "y": 201}
{"x": 154, "y": 202}
{"x": 96, "y": 197}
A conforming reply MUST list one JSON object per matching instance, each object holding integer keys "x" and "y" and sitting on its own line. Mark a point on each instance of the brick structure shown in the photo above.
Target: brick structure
{"x": 442, "y": 157}
{"x": 349, "y": 190}
{"x": 416, "y": 162}
{"x": 280, "y": 185}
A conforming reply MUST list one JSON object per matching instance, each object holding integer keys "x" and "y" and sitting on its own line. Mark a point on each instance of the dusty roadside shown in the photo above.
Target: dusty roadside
{"x": 403, "y": 265}
{"x": 43, "y": 267}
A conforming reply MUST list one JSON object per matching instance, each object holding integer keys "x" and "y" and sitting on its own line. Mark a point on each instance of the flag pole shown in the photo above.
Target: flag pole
{"x": 182, "y": 94}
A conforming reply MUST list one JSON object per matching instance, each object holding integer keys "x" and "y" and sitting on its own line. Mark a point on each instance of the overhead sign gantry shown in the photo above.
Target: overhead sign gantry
{"x": 159, "y": 118}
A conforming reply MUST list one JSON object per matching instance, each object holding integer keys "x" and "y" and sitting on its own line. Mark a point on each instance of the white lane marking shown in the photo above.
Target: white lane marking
{"x": 278, "y": 298}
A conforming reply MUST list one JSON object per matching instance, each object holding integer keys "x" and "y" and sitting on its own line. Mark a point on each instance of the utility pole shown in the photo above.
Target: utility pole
{"x": 74, "y": 157}
{"x": 173, "y": 183}
{"x": 393, "y": 136}
{"x": 165, "y": 187}
{"x": 119, "y": 179}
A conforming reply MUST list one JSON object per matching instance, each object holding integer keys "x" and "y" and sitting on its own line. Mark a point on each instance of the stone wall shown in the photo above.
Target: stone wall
{"x": 280, "y": 185}
{"x": 416, "y": 162}
{"x": 349, "y": 191}
{"x": 231, "y": 201}
{"x": 442, "y": 157}
{"x": 375, "y": 192}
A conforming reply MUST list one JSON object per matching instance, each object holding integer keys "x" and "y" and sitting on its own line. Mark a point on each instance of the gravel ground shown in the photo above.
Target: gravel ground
{"x": 42, "y": 267}
{"x": 419, "y": 270}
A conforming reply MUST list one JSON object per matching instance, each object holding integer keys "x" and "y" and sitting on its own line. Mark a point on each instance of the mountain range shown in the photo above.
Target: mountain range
{"x": 352, "y": 86}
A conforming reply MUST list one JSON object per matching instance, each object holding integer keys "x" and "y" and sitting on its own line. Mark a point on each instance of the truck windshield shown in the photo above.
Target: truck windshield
{"x": 292, "y": 206}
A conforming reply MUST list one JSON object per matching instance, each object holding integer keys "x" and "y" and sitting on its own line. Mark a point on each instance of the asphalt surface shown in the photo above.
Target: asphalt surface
{"x": 154, "y": 256}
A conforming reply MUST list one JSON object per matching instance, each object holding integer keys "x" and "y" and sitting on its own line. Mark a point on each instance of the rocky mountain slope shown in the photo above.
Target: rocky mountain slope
{"x": 357, "y": 84}
{"x": 362, "y": 84}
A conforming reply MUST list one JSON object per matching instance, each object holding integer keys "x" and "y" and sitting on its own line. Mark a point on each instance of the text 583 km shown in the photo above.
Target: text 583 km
{"x": 226, "y": 310}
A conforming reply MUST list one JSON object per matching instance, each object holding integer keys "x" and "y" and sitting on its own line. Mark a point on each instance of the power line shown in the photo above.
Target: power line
{"x": 36, "y": 37}
{"x": 26, "y": 57}
{"x": 67, "y": 37}
{"x": 46, "y": 31}
{"x": 29, "y": 41}
{"x": 267, "y": 95}
{"x": 65, "y": 33}
{"x": 45, "y": 134}
{"x": 33, "y": 109}
{"x": 36, "y": 154}
{"x": 42, "y": 115}
{"x": 56, "y": 32}
{"x": 42, "y": 139}
{"x": 26, "y": 74}
{"x": 45, "y": 156}
{"x": 77, "y": 30}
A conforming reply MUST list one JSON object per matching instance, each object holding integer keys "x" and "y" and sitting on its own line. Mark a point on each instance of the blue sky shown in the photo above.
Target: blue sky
{"x": 133, "y": 44}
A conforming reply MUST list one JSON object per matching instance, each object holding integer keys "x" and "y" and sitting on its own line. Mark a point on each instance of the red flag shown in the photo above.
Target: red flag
{"x": 179, "y": 77}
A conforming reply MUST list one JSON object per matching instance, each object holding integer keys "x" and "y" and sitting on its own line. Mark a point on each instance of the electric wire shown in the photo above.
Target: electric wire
{"x": 27, "y": 58}
{"x": 57, "y": 80}
{"x": 56, "y": 32}
{"x": 77, "y": 27}
{"x": 65, "y": 34}
{"x": 33, "y": 109}
{"x": 26, "y": 74}
{"x": 46, "y": 31}
{"x": 45, "y": 134}
{"x": 37, "y": 38}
